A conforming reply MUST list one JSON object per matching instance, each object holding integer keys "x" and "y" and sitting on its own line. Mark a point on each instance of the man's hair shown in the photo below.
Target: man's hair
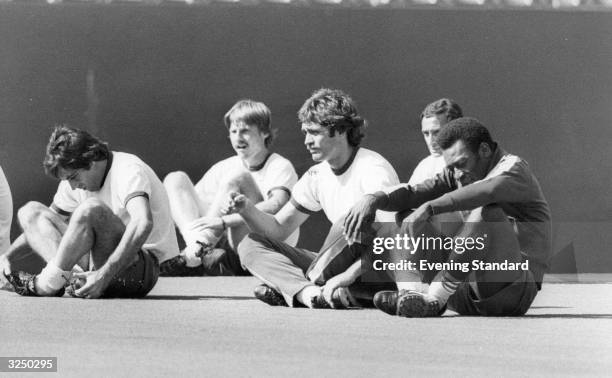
{"x": 335, "y": 110}
{"x": 252, "y": 113}
{"x": 71, "y": 148}
{"x": 444, "y": 106}
{"x": 469, "y": 130}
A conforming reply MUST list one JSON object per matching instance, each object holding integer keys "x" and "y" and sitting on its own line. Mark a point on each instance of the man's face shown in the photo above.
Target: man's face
{"x": 468, "y": 166}
{"x": 247, "y": 140}
{"x": 321, "y": 146}
{"x": 430, "y": 126}
{"x": 86, "y": 179}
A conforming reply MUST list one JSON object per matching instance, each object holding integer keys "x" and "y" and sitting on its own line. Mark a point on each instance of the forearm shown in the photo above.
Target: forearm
{"x": 263, "y": 223}
{"x": 269, "y": 206}
{"x": 352, "y": 273}
{"x": 495, "y": 190}
{"x": 133, "y": 238}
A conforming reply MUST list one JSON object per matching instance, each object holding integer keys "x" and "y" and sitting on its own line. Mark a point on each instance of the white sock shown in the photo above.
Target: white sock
{"x": 208, "y": 237}
{"x": 443, "y": 287}
{"x": 413, "y": 286}
{"x": 306, "y": 294}
{"x": 51, "y": 279}
{"x": 191, "y": 255}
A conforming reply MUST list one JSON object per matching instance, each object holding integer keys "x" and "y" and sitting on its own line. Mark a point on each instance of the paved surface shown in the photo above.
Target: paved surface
{"x": 213, "y": 327}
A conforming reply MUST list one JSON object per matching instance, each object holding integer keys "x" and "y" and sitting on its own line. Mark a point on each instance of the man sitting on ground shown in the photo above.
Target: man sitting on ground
{"x": 333, "y": 131}
{"x": 266, "y": 178}
{"x": 110, "y": 216}
{"x": 502, "y": 204}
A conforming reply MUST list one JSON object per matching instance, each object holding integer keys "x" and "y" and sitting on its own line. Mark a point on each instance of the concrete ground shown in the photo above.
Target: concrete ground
{"x": 212, "y": 326}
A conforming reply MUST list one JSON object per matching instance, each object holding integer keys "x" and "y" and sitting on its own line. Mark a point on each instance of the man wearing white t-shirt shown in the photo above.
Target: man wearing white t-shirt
{"x": 6, "y": 213}
{"x": 255, "y": 171}
{"x": 110, "y": 217}
{"x": 345, "y": 172}
{"x": 434, "y": 117}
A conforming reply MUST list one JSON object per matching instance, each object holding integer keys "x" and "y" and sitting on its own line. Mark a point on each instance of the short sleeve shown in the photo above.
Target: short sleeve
{"x": 133, "y": 182}
{"x": 65, "y": 200}
{"x": 379, "y": 178}
{"x": 304, "y": 196}
{"x": 281, "y": 175}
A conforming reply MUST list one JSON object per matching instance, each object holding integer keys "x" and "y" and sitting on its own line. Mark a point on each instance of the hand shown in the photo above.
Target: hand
{"x": 341, "y": 280}
{"x": 237, "y": 203}
{"x": 359, "y": 217}
{"x": 93, "y": 286}
{"x": 417, "y": 218}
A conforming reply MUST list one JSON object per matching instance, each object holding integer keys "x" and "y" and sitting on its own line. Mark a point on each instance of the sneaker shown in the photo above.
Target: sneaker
{"x": 407, "y": 303}
{"x": 268, "y": 295}
{"x": 340, "y": 299}
{"x": 418, "y": 305}
{"x": 386, "y": 301}
{"x": 23, "y": 283}
{"x": 177, "y": 267}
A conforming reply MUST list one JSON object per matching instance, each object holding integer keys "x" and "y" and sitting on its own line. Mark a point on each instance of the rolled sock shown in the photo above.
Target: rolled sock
{"x": 208, "y": 237}
{"x": 443, "y": 288}
{"x": 413, "y": 286}
{"x": 51, "y": 279}
{"x": 306, "y": 294}
{"x": 191, "y": 255}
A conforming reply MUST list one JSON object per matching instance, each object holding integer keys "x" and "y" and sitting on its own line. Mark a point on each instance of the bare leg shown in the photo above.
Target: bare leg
{"x": 240, "y": 181}
{"x": 186, "y": 205}
{"x": 93, "y": 227}
{"x": 42, "y": 228}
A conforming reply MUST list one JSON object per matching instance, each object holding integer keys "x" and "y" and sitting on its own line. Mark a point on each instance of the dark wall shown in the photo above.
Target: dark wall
{"x": 156, "y": 81}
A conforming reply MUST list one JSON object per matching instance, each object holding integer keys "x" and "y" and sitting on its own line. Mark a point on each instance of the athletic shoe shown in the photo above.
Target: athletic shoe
{"x": 416, "y": 305}
{"x": 177, "y": 267}
{"x": 268, "y": 295}
{"x": 340, "y": 299}
{"x": 407, "y": 303}
{"x": 386, "y": 301}
{"x": 23, "y": 283}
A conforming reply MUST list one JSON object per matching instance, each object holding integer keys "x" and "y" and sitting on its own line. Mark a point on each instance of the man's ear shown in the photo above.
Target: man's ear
{"x": 484, "y": 150}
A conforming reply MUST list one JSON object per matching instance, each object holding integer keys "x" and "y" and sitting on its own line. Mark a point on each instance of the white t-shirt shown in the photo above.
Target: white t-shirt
{"x": 427, "y": 168}
{"x": 320, "y": 188}
{"x": 276, "y": 173}
{"x": 6, "y": 213}
{"x": 126, "y": 178}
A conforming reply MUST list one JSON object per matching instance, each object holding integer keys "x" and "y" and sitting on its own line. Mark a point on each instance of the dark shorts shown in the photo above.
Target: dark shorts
{"x": 512, "y": 300}
{"x": 137, "y": 280}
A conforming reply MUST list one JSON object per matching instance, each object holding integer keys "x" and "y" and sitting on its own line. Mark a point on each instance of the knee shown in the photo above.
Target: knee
{"x": 176, "y": 180}
{"x": 488, "y": 213}
{"x": 248, "y": 247}
{"x": 235, "y": 179}
{"x": 30, "y": 212}
{"x": 91, "y": 209}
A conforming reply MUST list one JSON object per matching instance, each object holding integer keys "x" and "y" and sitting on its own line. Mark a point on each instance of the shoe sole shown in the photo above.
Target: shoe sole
{"x": 415, "y": 306}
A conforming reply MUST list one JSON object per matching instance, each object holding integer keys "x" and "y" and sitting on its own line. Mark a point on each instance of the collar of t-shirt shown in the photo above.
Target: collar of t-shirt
{"x": 346, "y": 166}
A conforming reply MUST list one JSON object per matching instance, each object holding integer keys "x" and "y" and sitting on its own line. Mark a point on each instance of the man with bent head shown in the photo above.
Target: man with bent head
{"x": 255, "y": 171}
{"x": 433, "y": 118}
{"x": 501, "y": 201}
{"x": 110, "y": 215}
{"x": 344, "y": 172}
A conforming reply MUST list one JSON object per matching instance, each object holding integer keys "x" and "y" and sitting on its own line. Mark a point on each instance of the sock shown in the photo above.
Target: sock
{"x": 191, "y": 255}
{"x": 306, "y": 294}
{"x": 208, "y": 237}
{"x": 413, "y": 286}
{"x": 51, "y": 279}
{"x": 444, "y": 287}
